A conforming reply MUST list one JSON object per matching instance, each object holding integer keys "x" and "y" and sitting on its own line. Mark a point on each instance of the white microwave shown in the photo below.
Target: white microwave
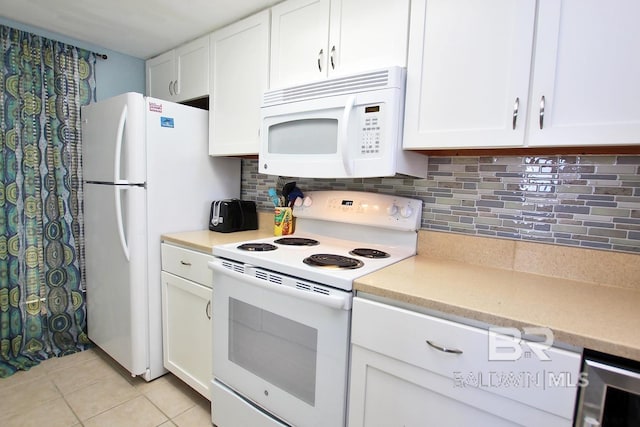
{"x": 344, "y": 127}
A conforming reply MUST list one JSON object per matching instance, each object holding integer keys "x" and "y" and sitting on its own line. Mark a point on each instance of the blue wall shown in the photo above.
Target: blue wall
{"x": 118, "y": 74}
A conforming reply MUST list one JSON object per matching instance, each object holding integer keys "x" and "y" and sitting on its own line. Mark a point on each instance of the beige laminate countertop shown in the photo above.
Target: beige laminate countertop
{"x": 602, "y": 318}
{"x": 580, "y": 313}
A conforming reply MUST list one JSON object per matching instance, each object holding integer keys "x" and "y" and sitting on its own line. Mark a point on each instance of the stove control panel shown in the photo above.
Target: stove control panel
{"x": 363, "y": 208}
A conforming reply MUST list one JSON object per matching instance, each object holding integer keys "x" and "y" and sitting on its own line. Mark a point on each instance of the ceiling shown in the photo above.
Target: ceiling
{"x": 139, "y": 28}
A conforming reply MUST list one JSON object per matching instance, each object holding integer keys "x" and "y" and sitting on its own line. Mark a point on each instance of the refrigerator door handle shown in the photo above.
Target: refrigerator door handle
{"x": 118, "y": 150}
{"x": 123, "y": 240}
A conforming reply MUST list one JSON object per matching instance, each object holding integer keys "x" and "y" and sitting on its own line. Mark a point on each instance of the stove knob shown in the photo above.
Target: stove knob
{"x": 392, "y": 209}
{"x": 406, "y": 212}
{"x": 298, "y": 202}
{"x": 307, "y": 201}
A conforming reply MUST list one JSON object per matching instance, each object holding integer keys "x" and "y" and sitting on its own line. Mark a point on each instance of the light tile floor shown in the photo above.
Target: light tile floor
{"x": 90, "y": 389}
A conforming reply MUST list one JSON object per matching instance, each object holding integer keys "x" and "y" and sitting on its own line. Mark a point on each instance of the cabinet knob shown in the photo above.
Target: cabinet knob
{"x": 542, "y": 100}
{"x": 516, "y": 107}
{"x": 207, "y": 310}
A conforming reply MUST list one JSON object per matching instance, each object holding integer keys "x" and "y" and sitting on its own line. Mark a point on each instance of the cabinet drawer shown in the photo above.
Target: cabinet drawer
{"x": 471, "y": 359}
{"x": 191, "y": 265}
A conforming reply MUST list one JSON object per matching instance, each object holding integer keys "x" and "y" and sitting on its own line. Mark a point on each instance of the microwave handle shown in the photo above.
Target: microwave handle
{"x": 344, "y": 135}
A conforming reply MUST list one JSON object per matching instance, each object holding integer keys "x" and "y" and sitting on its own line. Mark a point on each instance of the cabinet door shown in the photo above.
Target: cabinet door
{"x": 367, "y": 35}
{"x": 187, "y": 331}
{"x": 587, "y": 70}
{"x": 239, "y": 77}
{"x": 299, "y": 33}
{"x": 161, "y": 72}
{"x": 452, "y": 374}
{"x": 468, "y": 73}
{"x": 385, "y": 391}
{"x": 192, "y": 69}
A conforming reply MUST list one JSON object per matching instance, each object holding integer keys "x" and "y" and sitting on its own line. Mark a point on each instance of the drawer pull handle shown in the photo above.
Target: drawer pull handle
{"x": 185, "y": 263}
{"x": 443, "y": 348}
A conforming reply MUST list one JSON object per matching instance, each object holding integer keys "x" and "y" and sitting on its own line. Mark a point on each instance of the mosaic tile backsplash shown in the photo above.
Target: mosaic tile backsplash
{"x": 588, "y": 201}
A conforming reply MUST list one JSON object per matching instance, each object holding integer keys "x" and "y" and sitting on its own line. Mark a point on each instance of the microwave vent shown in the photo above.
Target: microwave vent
{"x": 373, "y": 80}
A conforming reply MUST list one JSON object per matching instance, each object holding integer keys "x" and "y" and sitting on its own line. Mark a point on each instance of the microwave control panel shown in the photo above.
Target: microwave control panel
{"x": 371, "y": 130}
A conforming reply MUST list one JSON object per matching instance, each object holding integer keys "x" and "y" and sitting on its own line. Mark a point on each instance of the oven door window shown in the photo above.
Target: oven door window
{"x": 304, "y": 136}
{"x": 279, "y": 350}
{"x": 621, "y": 408}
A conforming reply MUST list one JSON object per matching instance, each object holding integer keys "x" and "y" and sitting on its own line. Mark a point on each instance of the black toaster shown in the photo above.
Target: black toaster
{"x": 231, "y": 215}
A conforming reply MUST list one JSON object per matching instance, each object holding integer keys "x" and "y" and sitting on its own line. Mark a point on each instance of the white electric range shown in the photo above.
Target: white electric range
{"x": 282, "y": 307}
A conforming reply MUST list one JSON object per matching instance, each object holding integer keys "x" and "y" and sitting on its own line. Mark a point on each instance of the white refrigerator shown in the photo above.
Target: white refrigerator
{"x": 146, "y": 171}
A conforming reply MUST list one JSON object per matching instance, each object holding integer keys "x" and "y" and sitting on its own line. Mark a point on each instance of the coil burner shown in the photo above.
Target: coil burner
{"x": 332, "y": 261}
{"x": 369, "y": 253}
{"x": 296, "y": 241}
{"x": 257, "y": 247}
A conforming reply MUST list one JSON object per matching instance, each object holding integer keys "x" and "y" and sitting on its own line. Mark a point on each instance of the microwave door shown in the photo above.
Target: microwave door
{"x": 345, "y": 136}
{"x": 304, "y": 141}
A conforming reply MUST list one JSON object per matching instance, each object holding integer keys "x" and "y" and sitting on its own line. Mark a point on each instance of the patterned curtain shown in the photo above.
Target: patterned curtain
{"x": 43, "y": 83}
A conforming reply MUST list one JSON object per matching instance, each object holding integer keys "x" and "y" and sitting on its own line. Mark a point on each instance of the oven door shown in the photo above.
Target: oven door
{"x": 282, "y": 349}
{"x": 611, "y": 396}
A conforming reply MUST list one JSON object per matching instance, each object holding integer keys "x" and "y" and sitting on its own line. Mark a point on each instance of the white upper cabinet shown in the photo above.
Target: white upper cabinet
{"x": 315, "y": 39}
{"x": 468, "y": 73}
{"x": 477, "y": 77}
{"x": 180, "y": 74}
{"x": 299, "y": 33}
{"x": 366, "y": 35}
{"x": 239, "y": 75}
{"x": 192, "y": 63}
{"x": 587, "y": 69}
{"x": 160, "y": 72}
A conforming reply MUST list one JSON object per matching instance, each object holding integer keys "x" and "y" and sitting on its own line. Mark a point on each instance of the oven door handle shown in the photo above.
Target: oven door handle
{"x": 336, "y": 302}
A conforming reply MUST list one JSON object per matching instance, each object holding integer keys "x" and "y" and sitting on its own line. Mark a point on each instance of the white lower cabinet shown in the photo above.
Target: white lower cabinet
{"x": 186, "y": 316}
{"x": 412, "y": 369}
